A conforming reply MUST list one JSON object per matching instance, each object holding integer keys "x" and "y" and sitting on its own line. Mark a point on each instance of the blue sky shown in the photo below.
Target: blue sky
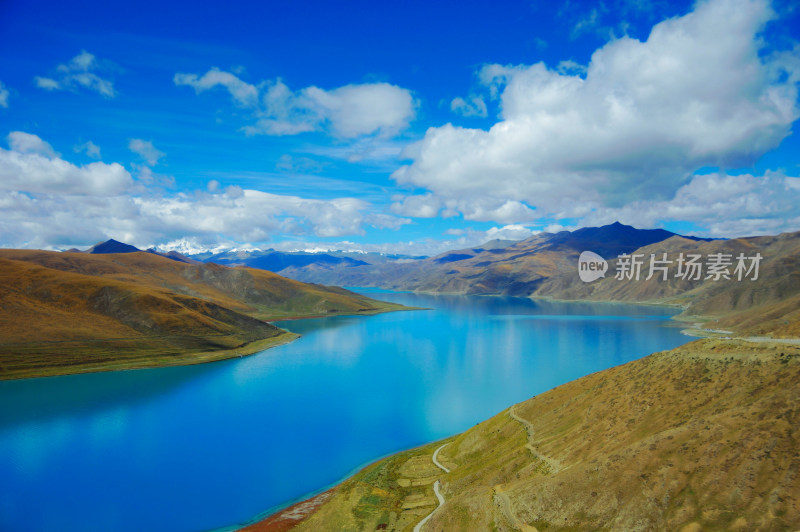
{"x": 412, "y": 127}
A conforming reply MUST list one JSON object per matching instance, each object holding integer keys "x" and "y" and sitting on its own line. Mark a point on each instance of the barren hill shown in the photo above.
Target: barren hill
{"x": 76, "y": 312}
{"x": 752, "y": 306}
{"x": 703, "y": 437}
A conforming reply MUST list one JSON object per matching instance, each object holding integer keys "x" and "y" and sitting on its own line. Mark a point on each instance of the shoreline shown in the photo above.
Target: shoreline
{"x": 309, "y": 497}
{"x": 189, "y": 358}
{"x": 273, "y": 521}
{"x": 375, "y": 312}
{"x": 183, "y": 359}
{"x": 289, "y": 517}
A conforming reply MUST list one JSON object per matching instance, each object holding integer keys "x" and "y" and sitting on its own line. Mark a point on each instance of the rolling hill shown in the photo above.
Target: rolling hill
{"x": 702, "y": 437}
{"x": 77, "y": 312}
{"x": 761, "y": 306}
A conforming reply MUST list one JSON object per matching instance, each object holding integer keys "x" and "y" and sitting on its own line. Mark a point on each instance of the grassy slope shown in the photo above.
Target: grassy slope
{"x": 69, "y": 312}
{"x": 703, "y": 437}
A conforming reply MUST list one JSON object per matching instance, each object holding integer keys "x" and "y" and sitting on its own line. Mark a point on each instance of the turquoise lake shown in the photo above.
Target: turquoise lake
{"x": 206, "y": 447}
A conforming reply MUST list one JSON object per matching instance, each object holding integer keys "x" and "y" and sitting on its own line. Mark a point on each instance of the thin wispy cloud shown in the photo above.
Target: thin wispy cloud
{"x": 4, "y": 95}
{"x": 81, "y": 72}
{"x": 89, "y": 148}
{"x": 146, "y": 150}
{"x": 473, "y": 106}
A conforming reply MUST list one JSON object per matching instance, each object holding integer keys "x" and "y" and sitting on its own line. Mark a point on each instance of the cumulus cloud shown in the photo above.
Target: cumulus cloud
{"x": 252, "y": 215}
{"x": 31, "y": 166}
{"x": 346, "y": 112}
{"x": 79, "y": 72}
{"x": 724, "y": 205}
{"x": 355, "y": 110}
{"x": 46, "y": 201}
{"x": 4, "y": 95}
{"x": 643, "y": 117}
{"x": 29, "y": 143}
{"x": 146, "y": 150}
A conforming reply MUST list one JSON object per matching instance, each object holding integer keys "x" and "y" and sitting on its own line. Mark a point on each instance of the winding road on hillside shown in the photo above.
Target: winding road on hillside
{"x": 436, "y": 485}
{"x": 719, "y": 334}
{"x": 555, "y": 465}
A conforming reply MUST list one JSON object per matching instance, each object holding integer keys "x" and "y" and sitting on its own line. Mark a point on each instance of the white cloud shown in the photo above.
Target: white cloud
{"x": 46, "y": 83}
{"x": 646, "y": 115}
{"x": 89, "y": 148}
{"x": 32, "y": 167}
{"x": 242, "y": 92}
{"x": 356, "y": 110}
{"x": 507, "y": 212}
{"x": 4, "y": 95}
{"x": 78, "y": 72}
{"x": 467, "y": 238}
{"x": 725, "y": 205}
{"x": 346, "y": 112}
{"x": 474, "y": 107}
{"x": 385, "y": 221}
{"x": 146, "y": 150}
{"x": 253, "y": 216}
{"x": 46, "y": 201}
{"x": 420, "y": 206}
{"x": 473, "y": 237}
{"x": 29, "y": 143}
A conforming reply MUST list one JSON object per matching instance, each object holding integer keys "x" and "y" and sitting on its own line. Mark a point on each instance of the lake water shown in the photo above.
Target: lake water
{"x": 205, "y": 447}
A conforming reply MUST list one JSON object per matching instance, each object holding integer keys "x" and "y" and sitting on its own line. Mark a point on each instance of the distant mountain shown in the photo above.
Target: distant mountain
{"x": 497, "y": 267}
{"x": 275, "y": 261}
{"x": 111, "y": 246}
{"x": 767, "y": 305}
{"x": 611, "y": 240}
{"x": 174, "y": 255}
{"x": 76, "y": 312}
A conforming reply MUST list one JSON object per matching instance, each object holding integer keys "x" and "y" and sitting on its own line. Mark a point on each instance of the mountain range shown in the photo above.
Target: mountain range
{"x": 495, "y": 268}
{"x": 546, "y": 266}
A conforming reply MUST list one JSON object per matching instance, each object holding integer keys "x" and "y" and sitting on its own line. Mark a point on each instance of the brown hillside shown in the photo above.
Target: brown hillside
{"x": 752, "y": 307}
{"x": 703, "y": 437}
{"x": 493, "y": 268}
{"x": 73, "y": 312}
